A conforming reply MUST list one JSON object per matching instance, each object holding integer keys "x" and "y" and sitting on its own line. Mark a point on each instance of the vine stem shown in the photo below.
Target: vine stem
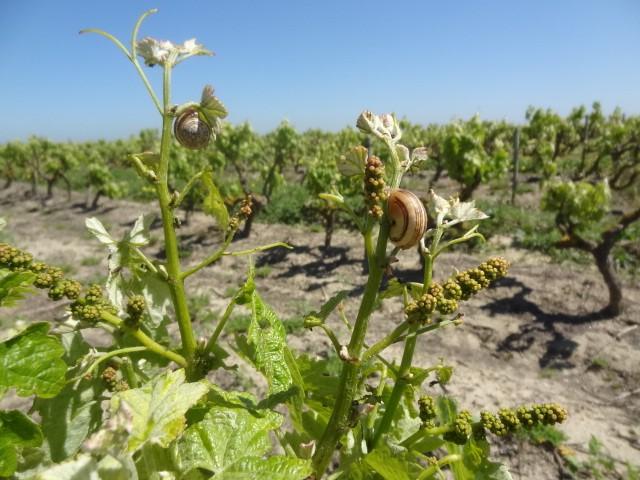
{"x": 349, "y": 379}
{"x": 402, "y": 379}
{"x": 106, "y": 356}
{"x": 430, "y": 471}
{"x": 421, "y": 433}
{"x": 144, "y": 339}
{"x": 390, "y": 339}
{"x": 222, "y": 322}
{"x": 175, "y": 280}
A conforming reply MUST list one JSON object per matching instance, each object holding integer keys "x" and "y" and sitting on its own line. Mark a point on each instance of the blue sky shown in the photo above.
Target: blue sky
{"x": 317, "y": 63}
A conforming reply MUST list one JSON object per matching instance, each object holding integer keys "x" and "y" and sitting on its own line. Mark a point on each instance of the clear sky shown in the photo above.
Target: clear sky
{"x": 317, "y": 63}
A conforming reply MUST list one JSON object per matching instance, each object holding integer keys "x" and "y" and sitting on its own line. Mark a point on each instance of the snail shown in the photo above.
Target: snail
{"x": 191, "y": 131}
{"x": 408, "y": 218}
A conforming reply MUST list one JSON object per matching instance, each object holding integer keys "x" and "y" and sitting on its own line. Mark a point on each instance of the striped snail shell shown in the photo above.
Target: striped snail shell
{"x": 191, "y": 131}
{"x": 408, "y": 218}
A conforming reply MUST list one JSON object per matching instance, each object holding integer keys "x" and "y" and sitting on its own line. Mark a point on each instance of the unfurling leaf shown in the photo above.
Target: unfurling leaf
{"x": 454, "y": 210}
{"x": 211, "y": 106}
{"x": 98, "y": 230}
{"x": 353, "y": 162}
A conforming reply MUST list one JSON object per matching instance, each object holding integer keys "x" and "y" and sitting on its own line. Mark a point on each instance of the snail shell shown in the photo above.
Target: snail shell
{"x": 190, "y": 131}
{"x": 408, "y": 218}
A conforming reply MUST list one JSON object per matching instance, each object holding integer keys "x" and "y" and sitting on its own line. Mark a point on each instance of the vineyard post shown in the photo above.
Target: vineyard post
{"x": 516, "y": 164}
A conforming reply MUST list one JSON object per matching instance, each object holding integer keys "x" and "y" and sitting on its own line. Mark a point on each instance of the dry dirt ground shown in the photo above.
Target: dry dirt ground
{"x": 529, "y": 339}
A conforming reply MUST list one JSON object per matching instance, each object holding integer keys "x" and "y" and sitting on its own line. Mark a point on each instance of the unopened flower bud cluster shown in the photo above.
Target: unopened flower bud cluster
{"x": 508, "y": 420}
{"x": 113, "y": 380}
{"x": 504, "y": 422}
{"x": 136, "y": 306}
{"x": 87, "y": 308}
{"x": 244, "y": 212}
{"x": 444, "y": 298}
{"x": 374, "y": 186}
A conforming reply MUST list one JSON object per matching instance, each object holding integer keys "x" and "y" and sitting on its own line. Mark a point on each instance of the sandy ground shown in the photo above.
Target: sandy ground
{"x": 531, "y": 338}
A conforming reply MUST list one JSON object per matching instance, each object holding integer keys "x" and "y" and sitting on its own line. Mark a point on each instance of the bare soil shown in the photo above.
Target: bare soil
{"x": 531, "y": 338}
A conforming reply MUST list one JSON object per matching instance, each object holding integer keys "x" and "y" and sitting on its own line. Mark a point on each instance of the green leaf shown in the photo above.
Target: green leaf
{"x": 273, "y": 468}
{"x": 69, "y": 417}
{"x": 112, "y": 468}
{"x": 213, "y": 203}
{"x": 391, "y": 465}
{"x": 158, "y": 408}
{"x": 31, "y": 362}
{"x": 3, "y": 223}
{"x": 16, "y": 432}
{"x": 13, "y": 286}
{"x": 320, "y": 376}
{"x": 230, "y": 443}
{"x": 84, "y": 467}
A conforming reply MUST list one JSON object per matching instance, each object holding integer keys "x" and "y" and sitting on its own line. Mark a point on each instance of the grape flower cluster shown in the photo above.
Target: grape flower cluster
{"x": 244, "y": 212}
{"x": 506, "y": 421}
{"x": 374, "y": 192}
{"x": 88, "y": 307}
{"x": 114, "y": 381}
{"x": 445, "y": 298}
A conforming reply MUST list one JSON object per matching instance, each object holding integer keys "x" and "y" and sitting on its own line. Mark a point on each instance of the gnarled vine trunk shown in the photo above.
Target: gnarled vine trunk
{"x": 602, "y": 256}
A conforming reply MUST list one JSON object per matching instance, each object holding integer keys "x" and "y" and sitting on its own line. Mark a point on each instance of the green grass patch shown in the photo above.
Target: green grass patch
{"x": 541, "y": 434}
{"x": 90, "y": 261}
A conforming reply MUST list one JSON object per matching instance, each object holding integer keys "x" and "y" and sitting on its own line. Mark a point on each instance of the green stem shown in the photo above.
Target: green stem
{"x": 423, "y": 432}
{"x": 148, "y": 263}
{"x": 430, "y": 471}
{"x": 428, "y": 272}
{"x": 174, "y": 280}
{"x": 402, "y": 381}
{"x": 373, "y": 415}
{"x": 129, "y": 373}
{"x": 332, "y": 337}
{"x": 104, "y": 357}
{"x": 261, "y": 248}
{"x": 214, "y": 257}
{"x": 407, "y": 359}
{"x": 144, "y": 339}
{"x": 187, "y": 188}
{"x": 134, "y": 58}
{"x": 350, "y": 377}
{"x": 379, "y": 346}
{"x": 223, "y": 321}
{"x": 221, "y": 252}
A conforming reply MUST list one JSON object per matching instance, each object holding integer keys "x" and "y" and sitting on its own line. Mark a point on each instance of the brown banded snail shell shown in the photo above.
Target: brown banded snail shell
{"x": 408, "y": 218}
{"x": 191, "y": 131}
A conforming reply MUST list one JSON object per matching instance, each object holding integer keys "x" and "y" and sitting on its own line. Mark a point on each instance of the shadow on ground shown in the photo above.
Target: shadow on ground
{"x": 559, "y": 348}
